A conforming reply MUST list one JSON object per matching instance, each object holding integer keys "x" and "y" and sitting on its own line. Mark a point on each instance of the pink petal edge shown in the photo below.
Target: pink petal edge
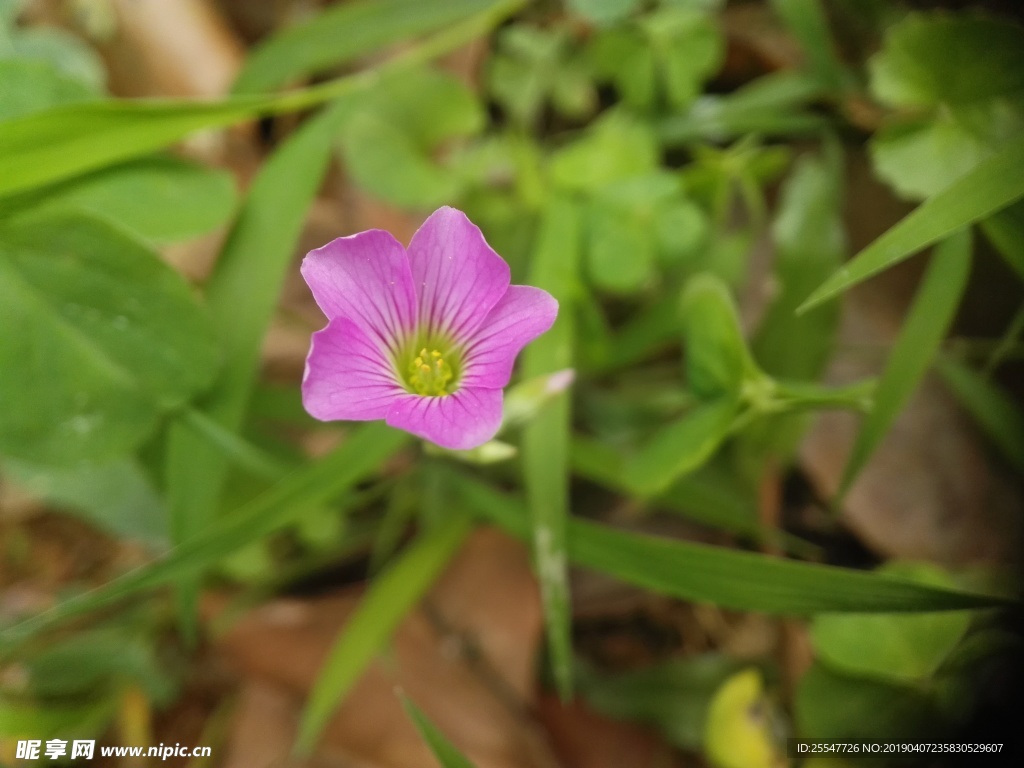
{"x": 366, "y": 279}
{"x": 458, "y": 278}
{"x": 460, "y": 421}
{"x": 523, "y": 314}
{"x": 348, "y": 376}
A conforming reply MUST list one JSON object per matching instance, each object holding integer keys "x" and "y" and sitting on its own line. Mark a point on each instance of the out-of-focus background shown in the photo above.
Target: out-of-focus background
{"x": 741, "y": 523}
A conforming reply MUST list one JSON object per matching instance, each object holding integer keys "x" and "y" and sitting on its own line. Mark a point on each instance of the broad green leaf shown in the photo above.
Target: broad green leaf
{"x": 726, "y": 257}
{"x": 620, "y": 248}
{"x": 992, "y": 185}
{"x": 1000, "y": 418}
{"x": 651, "y": 329}
{"x": 707, "y": 497}
{"x": 636, "y": 221}
{"x": 534, "y": 66}
{"x": 682, "y": 229}
{"x": 388, "y": 142}
{"x": 810, "y": 242}
{"x": 100, "y": 338}
{"x": 361, "y": 454}
{"x": 445, "y": 752}
{"x": 427, "y": 104}
{"x": 242, "y": 294}
{"x": 616, "y": 147}
{"x": 830, "y": 705}
{"x": 733, "y": 579}
{"x": 28, "y": 86}
{"x": 891, "y": 647}
{"x": 95, "y": 663}
{"x": 932, "y": 58}
{"x": 683, "y": 446}
{"x": 923, "y": 157}
{"x": 390, "y": 597}
{"x": 672, "y": 696}
{"x": 517, "y": 86}
{"x": 162, "y": 199}
{"x": 545, "y": 447}
{"x": 624, "y": 57}
{"x": 343, "y": 34}
{"x": 923, "y": 331}
{"x": 117, "y": 496}
{"x": 688, "y": 49}
{"x": 920, "y": 160}
{"x": 718, "y": 176}
{"x": 66, "y": 52}
{"x": 739, "y": 732}
{"x": 385, "y": 161}
{"x": 717, "y": 359}
{"x": 663, "y": 58}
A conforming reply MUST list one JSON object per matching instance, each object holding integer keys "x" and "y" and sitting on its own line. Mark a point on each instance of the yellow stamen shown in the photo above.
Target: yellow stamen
{"x": 429, "y": 374}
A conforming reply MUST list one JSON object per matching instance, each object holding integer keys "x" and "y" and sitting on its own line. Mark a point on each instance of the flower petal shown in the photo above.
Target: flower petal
{"x": 460, "y": 421}
{"x": 366, "y": 279}
{"x": 458, "y": 277}
{"x": 347, "y": 375}
{"x": 523, "y": 314}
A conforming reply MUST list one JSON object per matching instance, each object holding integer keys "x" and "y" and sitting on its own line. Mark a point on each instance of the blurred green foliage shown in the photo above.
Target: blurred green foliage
{"x": 607, "y": 159}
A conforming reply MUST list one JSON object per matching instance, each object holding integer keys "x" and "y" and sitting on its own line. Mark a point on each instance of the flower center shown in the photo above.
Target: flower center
{"x": 429, "y": 374}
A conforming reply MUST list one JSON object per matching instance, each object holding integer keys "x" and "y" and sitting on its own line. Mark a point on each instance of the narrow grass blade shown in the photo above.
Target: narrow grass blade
{"x": 923, "y": 330}
{"x": 777, "y": 104}
{"x": 1005, "y": 230}
{"x": 807, "y": 21}
{"x": 741, "y": 580}
{"x": 999, "y": 417}
{"x": 242, "y": 295}
{"x": 546, "y": 439}
{"x": 991, "y": 186}
{"x": 237, "y": 450}
{"x": 388, "y": 600}
{"x": 600, "y": 463}
{"x": 445, "y": 752}
{"x": 244, "y": 291}
{"x": 341, "y": 34}
{"x": 58, "y": 143}
{"x": 362, "y": 453}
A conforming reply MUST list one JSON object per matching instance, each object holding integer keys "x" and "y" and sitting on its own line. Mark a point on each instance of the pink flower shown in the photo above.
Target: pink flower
{"x": 424, "y": 339}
